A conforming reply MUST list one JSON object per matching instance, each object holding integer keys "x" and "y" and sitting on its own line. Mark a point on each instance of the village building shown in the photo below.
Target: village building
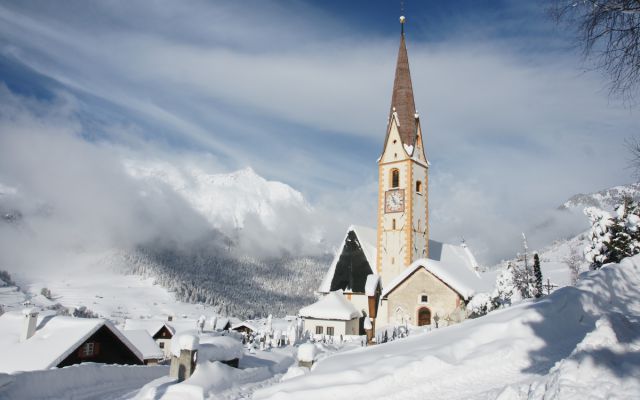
{"x": 163, "y": 330}
{"x": 245, "y": 327}
{"x": 332, "y": 315}
{"x": 31, "y": 341}
{"x": 421, "y": 281}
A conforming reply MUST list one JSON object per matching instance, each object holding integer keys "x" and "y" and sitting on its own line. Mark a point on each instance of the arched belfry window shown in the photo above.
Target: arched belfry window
{"x": 395, "y": 178}
{"x": 418, "y": 187}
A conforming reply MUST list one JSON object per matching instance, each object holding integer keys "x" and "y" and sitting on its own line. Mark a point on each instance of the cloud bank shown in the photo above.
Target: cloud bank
{"x": 511, "y": 131}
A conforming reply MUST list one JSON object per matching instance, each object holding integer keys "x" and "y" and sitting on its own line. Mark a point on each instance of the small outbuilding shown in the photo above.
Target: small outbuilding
{"x": 245, "y": 327}
{"x": 333, "y": 315}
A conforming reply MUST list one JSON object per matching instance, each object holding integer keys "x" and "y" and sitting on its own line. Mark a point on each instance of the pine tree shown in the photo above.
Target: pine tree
{"x": 613, "y": 238}
{"x": 538, "y": 275}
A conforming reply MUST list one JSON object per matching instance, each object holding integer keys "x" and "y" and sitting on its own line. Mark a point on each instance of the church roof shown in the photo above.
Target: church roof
{"x": 332, "y": 306}
{"x": 454, "y": 265}
{"x": 402, "y": 97}
{"x": 366, "y": 238}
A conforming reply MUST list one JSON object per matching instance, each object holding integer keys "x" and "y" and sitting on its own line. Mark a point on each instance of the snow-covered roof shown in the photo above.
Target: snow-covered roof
{"x": 152, "y": 326}
{"x": 245, "y": 324}
{"x": 55, "y": 338}
{"x": 454, "y": 265}
{"x": 221, "y": 323}
{"x": 332, "y": 306}
{"x": 144, "y": 343}
{"x": 366, "y": 238}
{"x": 371, "y": 285}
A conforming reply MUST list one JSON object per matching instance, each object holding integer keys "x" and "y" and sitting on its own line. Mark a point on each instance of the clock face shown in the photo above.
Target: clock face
{"x": 394, "y": 201}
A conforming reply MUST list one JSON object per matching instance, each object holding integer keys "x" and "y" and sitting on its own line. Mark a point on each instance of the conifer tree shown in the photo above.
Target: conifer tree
{"x": 537, "y": 272}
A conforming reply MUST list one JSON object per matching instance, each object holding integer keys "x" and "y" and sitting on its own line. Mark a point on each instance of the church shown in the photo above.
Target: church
{"x": 394, "y": 273}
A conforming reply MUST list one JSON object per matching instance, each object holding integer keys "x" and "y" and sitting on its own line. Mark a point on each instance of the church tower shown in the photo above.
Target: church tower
{"x": 403, "y": 180}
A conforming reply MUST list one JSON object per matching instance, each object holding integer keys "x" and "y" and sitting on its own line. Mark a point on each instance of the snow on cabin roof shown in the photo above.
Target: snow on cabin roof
{"x": 55, "y": 338}
{"x": 454, "y": 265}
{"x": 370, "y": 287}
{"x": 245, "y": 324}
{"x": 332, "y": 306}
{"x": 152, "y": 326}
{"x": 144, "y": 343}
{"x": 367, "y": 239}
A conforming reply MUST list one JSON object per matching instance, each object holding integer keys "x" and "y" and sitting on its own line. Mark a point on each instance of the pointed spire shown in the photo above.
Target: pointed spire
{"x": 402, "y": 97}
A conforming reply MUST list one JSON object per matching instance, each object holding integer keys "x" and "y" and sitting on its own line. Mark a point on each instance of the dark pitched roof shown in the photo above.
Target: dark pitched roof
{"x": 402, "y": 97}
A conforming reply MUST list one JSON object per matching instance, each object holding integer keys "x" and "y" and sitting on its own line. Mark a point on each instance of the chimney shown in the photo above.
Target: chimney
{"x": 29, "y": 324}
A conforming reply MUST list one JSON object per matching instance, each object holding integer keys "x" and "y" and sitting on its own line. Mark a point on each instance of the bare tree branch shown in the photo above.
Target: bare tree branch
{"x": 609, "y": 34}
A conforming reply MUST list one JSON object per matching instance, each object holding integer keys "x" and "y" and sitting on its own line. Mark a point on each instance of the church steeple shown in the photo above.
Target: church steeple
{"x": 403, "y": 180}
{"x": 402, "y": 98}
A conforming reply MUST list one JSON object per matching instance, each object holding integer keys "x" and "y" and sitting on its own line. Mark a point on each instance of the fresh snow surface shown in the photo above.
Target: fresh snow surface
{"x": 214, "y": 380}
{"x": 577, "y": 343}
{"x": 332, "y": 306}
{"x": 84, "y": 381}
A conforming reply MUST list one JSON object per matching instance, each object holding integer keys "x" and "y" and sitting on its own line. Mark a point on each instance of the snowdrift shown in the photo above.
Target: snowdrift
{"x": 82, "y": 381}
{"x": 579, "y": 342}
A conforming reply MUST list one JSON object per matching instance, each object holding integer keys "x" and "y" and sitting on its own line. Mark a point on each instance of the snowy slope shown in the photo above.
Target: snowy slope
{"x": 577, "y": 343}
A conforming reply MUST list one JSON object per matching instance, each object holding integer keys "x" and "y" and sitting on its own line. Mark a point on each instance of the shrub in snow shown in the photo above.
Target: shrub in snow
{"x": 480, "y": 305}
{"x": 506, "y": 292}
{"x": 6, "y": 278}
{"x": 613, "y": 237}
{"x": 46, "y": 293}
{"x": 537, "y": 273}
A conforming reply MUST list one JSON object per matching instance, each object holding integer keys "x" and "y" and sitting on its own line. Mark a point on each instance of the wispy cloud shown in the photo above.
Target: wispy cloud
{"x": 511, "y": 130}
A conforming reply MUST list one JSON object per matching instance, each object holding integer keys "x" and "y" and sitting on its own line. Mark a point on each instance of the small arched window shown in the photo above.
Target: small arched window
{"x": 418, "y": 187}
{"x": 393, "y": 224}
{"x": 395, "y": 178}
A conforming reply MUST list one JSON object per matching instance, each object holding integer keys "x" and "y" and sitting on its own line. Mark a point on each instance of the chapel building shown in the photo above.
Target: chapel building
{"x": 413, "y": 279}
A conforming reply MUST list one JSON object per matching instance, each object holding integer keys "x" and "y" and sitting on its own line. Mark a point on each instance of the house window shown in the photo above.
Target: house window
{"x": 418, "y": 187}
{"x": 161, "y": 344}
{"x": 395, "y": 178}
{"x": 393, "y": 224}
{"x": 88, "y": 350}
{"x": 424, "y": 298}
{"x": 318, "y": 330}
{"x": 330, "y": 330}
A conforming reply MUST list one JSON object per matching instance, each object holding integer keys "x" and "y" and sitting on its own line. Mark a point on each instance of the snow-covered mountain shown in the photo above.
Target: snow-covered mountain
{"x": 224, "y": 199}
{"x": 234, "y": 241}
{"x": 606, "y": 199}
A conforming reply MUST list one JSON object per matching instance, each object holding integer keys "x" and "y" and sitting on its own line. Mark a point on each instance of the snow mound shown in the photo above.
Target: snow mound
{"x": 307, "y": 352}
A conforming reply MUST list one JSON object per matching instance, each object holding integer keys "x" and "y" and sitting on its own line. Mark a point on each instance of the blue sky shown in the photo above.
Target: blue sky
{"x": 515, "y": 122}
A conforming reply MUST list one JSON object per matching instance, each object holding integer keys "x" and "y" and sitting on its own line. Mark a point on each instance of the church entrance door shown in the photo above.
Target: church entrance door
{"x": 424, "y": 316}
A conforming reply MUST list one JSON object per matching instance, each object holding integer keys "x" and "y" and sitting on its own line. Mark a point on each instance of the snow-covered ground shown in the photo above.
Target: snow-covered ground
{"x": 577, "y": 343}
{"x": 105, "y": 291}
{"x": 86, "y": 381}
